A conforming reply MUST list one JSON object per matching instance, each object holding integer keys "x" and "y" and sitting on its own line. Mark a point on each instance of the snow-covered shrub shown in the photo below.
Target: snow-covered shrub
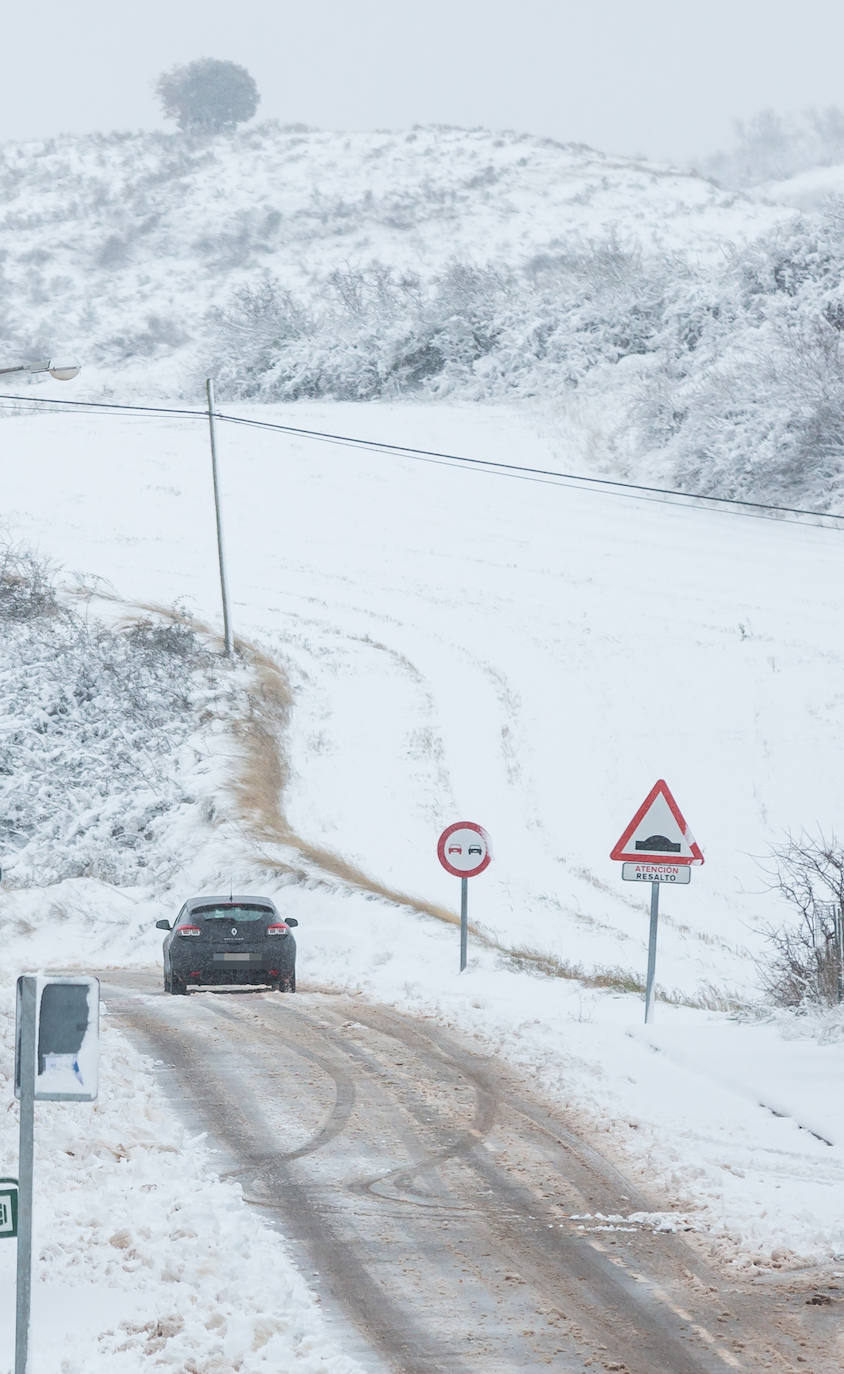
{"x": 96, "y": 722}
{"x": 481, "y": 331}
{"x": 26, "y": 589}
{"x": 750, "y": 403}
{"x": 803, "y": 967}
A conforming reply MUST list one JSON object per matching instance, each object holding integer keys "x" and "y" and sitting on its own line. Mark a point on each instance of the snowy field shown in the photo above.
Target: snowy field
{"x": 460, "y": 645}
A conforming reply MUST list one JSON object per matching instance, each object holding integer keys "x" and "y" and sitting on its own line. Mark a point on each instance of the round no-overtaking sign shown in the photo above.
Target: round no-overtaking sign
{"x": 464, "y": 850}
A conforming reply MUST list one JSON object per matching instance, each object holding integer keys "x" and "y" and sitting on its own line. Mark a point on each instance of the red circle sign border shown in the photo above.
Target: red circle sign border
{"x": 441, "y": 843}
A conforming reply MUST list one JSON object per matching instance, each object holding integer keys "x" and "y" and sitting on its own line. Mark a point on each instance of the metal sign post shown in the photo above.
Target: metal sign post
{"x": 26, "y": 1060}
{"x": 463, "y": 850}
{"x": 464, "y": 921}
{"x": 649, "y": 985}
{"x": 56, "y": 1060}
{"x": 656, "y": 847}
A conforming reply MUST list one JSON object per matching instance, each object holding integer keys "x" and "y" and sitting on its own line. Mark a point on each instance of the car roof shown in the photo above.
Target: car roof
{"x": 193, "y": 902}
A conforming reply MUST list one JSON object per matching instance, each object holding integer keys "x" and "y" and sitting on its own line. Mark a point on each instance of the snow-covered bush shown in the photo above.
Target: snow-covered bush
{"x": 738, "y": 382}
{"x": 485, "y": 332}
{"x": 95, "y": 722}
{"x": 751, "y": 401}
{"x": 803, "y": 968}
{"x": 26, "y": 588}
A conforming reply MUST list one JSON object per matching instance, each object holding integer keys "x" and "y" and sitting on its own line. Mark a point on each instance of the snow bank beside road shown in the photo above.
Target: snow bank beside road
{"x": 143, "y": 1256}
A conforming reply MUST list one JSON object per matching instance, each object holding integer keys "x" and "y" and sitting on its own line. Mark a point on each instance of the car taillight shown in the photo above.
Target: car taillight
{"x": 188, "y": 930}
{"x": 279, "y": 929}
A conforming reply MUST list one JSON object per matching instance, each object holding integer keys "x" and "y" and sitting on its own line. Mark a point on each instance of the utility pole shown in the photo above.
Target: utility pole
{"x": 227, "y": 624}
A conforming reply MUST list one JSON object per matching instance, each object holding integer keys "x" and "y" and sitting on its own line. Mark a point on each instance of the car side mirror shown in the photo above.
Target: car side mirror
{"x": 162, "y": 925}
{"x": 290, "y": 921}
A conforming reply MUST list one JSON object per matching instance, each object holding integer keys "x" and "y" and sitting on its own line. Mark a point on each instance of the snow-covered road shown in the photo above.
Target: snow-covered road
{"x": 457, "y": 1220}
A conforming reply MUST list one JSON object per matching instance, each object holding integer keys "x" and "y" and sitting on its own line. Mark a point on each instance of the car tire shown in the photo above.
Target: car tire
{"x": 289, "y": 982}
{"x": 167, "y": 986}
{"x": 177, "y": 987}
{"x": 273, "y": 985}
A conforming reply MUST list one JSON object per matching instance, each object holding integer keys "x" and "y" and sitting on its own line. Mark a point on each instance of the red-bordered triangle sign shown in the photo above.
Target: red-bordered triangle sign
{"x": 658, "y": 833}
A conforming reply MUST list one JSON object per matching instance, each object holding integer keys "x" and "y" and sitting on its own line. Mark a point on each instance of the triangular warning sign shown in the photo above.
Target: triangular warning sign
{"x": 658, "y": 833}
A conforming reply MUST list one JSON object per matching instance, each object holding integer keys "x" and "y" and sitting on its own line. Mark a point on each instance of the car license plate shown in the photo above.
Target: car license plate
{"x": 232, "y": 958}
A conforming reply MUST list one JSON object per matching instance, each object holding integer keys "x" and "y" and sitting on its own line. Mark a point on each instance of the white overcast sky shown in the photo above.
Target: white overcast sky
{"x": 661, "y": 77}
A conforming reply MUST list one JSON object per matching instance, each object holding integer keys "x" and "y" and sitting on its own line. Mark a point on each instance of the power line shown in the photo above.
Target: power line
{"x": 384, "y": 447}
{"x": 552, "y": 476}
{"x": 92, "y": 406}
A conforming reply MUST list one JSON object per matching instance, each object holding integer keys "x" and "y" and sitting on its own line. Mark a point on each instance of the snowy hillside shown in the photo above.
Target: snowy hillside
{"x": 695, "y": 331}
{"x": 118, "y": 245}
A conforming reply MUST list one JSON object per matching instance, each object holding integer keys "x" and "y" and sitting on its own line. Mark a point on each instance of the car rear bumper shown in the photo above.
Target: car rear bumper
{"x": 232, "y": 971}
{"x": 229, "y": 977}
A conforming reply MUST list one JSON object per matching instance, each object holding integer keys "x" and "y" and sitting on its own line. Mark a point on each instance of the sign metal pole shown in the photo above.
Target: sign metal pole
{"x": 25, "y": 1164}
{"x": 649, "y": 988}
{"x": 464, "y": 920}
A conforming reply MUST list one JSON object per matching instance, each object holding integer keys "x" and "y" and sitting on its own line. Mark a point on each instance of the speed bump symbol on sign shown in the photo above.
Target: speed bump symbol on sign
{"x": 658, "y": 832}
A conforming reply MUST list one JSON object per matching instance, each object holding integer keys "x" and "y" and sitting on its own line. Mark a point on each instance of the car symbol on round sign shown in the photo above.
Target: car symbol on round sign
{"x": 464, "y": 849}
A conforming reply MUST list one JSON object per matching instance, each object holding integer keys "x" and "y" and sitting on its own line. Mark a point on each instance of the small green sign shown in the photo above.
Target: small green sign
{"x": 8, "y": 1207}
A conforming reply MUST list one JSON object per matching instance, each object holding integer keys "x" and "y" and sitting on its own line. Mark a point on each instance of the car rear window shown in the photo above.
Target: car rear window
{"x": 235, "y": 912}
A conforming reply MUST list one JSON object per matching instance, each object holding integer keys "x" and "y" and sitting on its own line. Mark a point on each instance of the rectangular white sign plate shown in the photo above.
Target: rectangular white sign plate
{"x": 656, "y": 873}
{"x": 67, "y": 1037}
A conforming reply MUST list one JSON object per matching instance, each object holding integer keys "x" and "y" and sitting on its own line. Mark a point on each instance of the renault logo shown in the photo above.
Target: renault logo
{"x": 234, "y": 930}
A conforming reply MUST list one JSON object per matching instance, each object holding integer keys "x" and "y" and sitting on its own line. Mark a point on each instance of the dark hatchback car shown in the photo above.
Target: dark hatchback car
{"x": 229, "y": 940}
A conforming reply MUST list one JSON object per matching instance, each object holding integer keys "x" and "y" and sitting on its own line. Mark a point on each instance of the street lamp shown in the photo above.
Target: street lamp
{"x": 63, "y": 372}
